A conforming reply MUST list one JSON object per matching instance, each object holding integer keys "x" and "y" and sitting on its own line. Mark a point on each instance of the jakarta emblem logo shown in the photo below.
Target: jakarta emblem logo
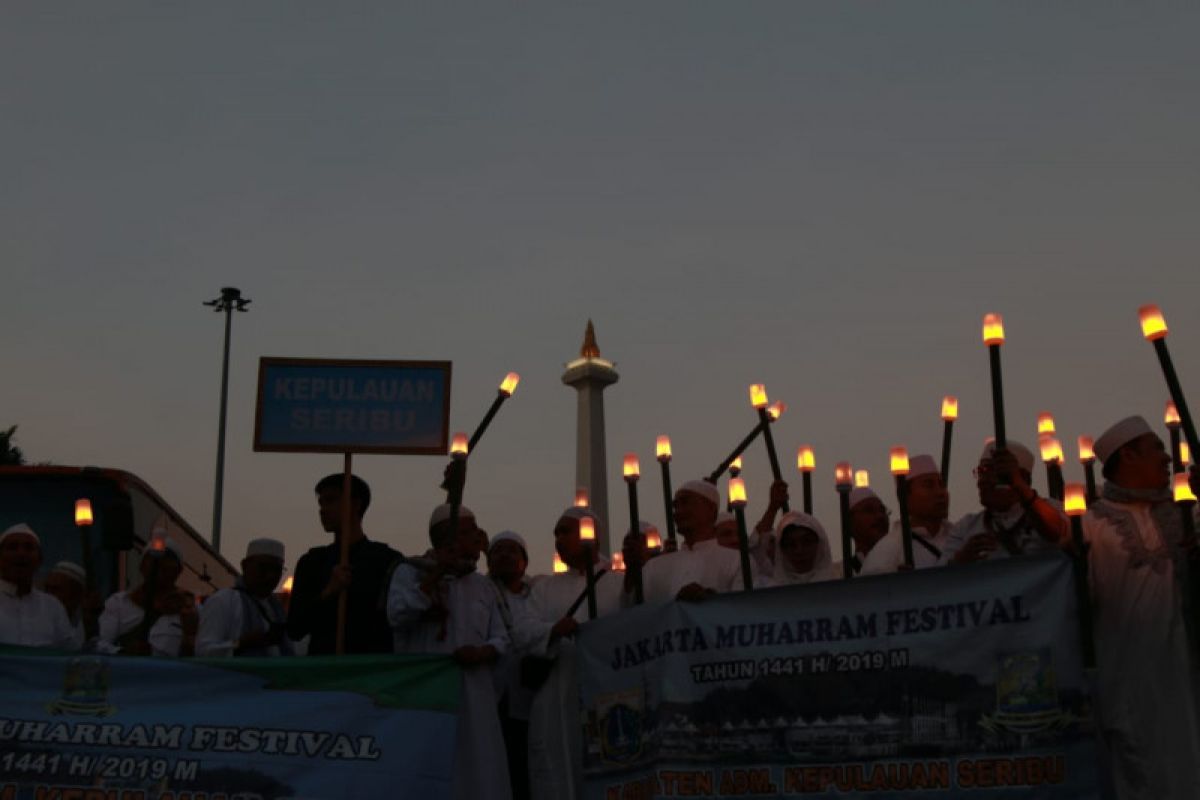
{"x": 85, "y": 689}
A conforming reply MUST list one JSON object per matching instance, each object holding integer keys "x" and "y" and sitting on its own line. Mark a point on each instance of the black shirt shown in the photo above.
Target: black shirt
{"x": 367, "y": 629}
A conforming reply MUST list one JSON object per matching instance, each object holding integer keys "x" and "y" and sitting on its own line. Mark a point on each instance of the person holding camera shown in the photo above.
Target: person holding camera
{"x": 248, "y": 620}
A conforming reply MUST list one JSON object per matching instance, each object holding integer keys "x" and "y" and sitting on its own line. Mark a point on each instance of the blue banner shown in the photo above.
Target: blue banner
{"x": 90, "y": 727}
{"x": 308, "y": 405}
{"x": 920, "y": 684}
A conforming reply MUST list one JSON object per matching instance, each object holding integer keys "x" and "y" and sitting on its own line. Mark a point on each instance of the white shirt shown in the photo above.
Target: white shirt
{"x": 35, "y": 619}
{"x": 121, "y": 615}
{"x": 1026, "y": 539}
{"x": 888, "y": 553}
{"x": 507, "y": 672}
{"x": 706, "y": 563}
{"x": 222, "y": 625}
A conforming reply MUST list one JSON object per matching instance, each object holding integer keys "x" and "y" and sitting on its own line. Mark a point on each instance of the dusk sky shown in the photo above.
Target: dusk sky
{"x": 822, "y": 197}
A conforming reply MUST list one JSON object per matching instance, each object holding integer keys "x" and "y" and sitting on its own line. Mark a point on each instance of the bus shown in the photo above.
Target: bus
{"x": 125, "y": 511}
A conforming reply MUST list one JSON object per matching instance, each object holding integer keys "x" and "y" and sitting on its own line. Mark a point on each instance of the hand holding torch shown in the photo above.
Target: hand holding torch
{"x": 1075, "y": 504}
{"x": 737, "y": 499}
{"x": 1154, "y": 328}
{"x": 844, "y": 477}
{"x": 949, "y": 414}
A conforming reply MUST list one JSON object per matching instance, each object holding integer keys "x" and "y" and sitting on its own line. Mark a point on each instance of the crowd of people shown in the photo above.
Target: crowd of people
{"x": 519, "y": 732}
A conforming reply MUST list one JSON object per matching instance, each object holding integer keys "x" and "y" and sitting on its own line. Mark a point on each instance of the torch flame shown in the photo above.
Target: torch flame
{"x": 949, "y": 408}
{"x": 587, "y": 529}
{"x": 158, "y": 541}
{"x": 1045, "y": 423}
{"x": 862, "y": 479}
{"x": 288, "y": 583}
{"x": 653, "y": 540}
{"x": 581, "y": 497}
{"x": 1185, "y": 454}
{"x": 806, "y": 461}
{"x": 899, "y": 459}
{"x": 737, "y": 492}
{"x": 618, "y": 562}
{"x": 1074, "y": 499}
{"x": 559, "y": 565}
{"x": 1051, "y": 449}
{"x": 776, "y": 409}
{"x": 509, "y": 384}
{"x": 1086, "y": 455}
{"x": 1183, "y": 491}
{"x": 458, "y": 445}
{"x": 662, "y": 448}
{"x": 735, "y": 466}
{"x": 993, "y": 329}
{"x": 758, "y": 395}
{"x": 1171, "y": 415}
{"x": 1153, "y": 325}
{"x": 83, "y": 511}
{"x": 843, "y": 474}
{"x": 632, "y": 468}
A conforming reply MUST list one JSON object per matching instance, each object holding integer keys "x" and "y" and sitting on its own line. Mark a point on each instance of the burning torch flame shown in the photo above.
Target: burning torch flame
{"x": 1074, "y": 499}
{"x": 618, "y": 562}
{"x": 83, "y": 511}
{"x": 737, "y": 492}
{"x": 1153, "y": 325}
{"x": 806, "y": 461}
{"x": 1183, "y": 491}
{"x": 1171, "y": 415}
{"x": 735, "y": 466}
{"x": 581, "y": 497}
{"x": 1051, "y": 449}
{"x": 993, "y": 329}
{"x": 1045, "y": 423}
{"x": 862, "y": 479}
{"x": 758, "y": 395}
{"x": 509, "y": 384}
{"x": 458, "y": 446}
{"x": 1185, "y": 455}
{"x": 662, "y": 448}
{"x": 899, "y": 459}
{"x": 949, "y": 408}
{"x": 653, "y": 540}
{"x": 776, "y": 409}
{"x": 1086, "y": 456}
{"x": 287, "y": 584}
{"x": 633, "y": 469}
{"x": 559, "y": 565}
{"x": 843, "y": 474}
{"x": 587, "y": 529}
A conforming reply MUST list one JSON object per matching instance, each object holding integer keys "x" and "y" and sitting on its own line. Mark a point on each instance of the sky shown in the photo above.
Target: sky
{"x": 821, "y": 197}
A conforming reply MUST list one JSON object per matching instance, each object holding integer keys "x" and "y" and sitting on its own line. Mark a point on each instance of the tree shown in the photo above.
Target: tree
{"x": 10, "y": 454}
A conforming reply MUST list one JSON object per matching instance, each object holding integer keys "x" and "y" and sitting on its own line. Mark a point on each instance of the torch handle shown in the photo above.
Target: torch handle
{"x": 744, "y": 547}
{"x": 1185, "y": 416}
{"x": 847, "y": 537}
{"x": 1089, "y": 477}
{"x": 947, "y": 436}
{"x": 1083, "y": 594}
{"x": 668, "y": 500}
{"x": 765, "y": 422}
{"x": 85, "y": 544}
{"x": 635, "y": 526}
{"x": 997, "y": 396}
{"x": 590, "y": 571}
{"x": 905, "y": 523}
{"x": 737, "y": 451}
{"x": 1054, "y": 481}
{"x": 487, "y": 420}
{"x": 806, "y": 480}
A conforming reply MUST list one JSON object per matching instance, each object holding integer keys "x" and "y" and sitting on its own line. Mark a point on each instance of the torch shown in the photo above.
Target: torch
{"x": 806, "y": 462}
{"x": 1075, "y": 504}
{"x": 1045, "y": 424}
{"x": 735, "y": 468}
{"x": 662, "y": 451}
{"x": 1171, "y": 417}
{"x": 1052, "y": 455}
{"x": 581, "y": 497}
{"x": 862, "y": 479}
{"x": 737, "y": 499}
{"x": 1154, "y": 328}
{"x": 993, "y": 337}
{"x": 899, "y": 463}
{"x": 1088, "y": 459}
{"x": 774, "y": 412}
{"x": 632, "y": 471}
{"x": 83, "y": 521}
{"x": 158, "y": 549}
{"x": 507, "y": 387}
{"x": 587, "y": 536}
{"x": 1186, "y": 501}
{"x": 949, "y": 414}
{"x": 844, "y": 478}
{"x": 560, "y": 566}
{"x": 758, "y": 399}
{"x": 654, "y": 543}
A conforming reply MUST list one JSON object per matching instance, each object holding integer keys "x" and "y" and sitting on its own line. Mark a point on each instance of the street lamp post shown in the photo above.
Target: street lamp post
{"x": 230, "y": 300}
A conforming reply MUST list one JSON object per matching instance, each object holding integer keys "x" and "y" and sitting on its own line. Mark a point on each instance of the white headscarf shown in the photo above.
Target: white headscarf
{"x": 822, "y": 568}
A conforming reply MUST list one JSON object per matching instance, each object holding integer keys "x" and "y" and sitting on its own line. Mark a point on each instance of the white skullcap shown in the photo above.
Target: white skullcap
{"x": 860, "y": 493}
{"x": 1023, "y": 454}
{"x": 922, "y": 465}
{"x": 71, "y": 570}
{"x": 704, "y": 489}
{"x": 509, "y": 536}
{"x": 1120, "y": 435}
{"x": 20, "y": 529}
{"x": 442, "y": 514}
{"x": 265, "y": 547}
{"x": 577, "y": 512}
{"x": 169, "y": 546}
{"x": 724, "y": 518}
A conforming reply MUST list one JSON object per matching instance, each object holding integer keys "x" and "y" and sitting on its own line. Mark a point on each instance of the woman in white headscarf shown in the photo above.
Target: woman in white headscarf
{"x": 804, "y": 555}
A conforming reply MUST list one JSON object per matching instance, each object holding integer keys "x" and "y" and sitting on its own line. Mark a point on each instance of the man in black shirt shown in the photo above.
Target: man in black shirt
{"x": 319, "y": 578}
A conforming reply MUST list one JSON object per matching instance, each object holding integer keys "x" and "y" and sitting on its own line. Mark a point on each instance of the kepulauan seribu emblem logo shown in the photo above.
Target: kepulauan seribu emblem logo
{"x": 85, "y": 689}
{"x": 1026, "y": 695}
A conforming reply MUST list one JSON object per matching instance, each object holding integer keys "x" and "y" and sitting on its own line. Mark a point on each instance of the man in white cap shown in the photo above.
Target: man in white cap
{"x": 1015, "y": 519}
{"x": 700, "y": 566}
{"x": 1135, "y": 556}
{"x": 28, "y": 616}
{"x": 248, "y": 620}
{"x": 868, "y": 523}
{"x": 67, "y": 581}
{"x": 507, "y": 560}
{"x": 440, "y": 604}
{"x": 928, "y": 507}
{"x": 556, "y": 607}
{"x": 156, "y": 618}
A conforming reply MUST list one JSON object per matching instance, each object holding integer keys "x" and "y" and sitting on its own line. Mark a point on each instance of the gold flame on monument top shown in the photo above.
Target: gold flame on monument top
{"x": 590, "y": 349}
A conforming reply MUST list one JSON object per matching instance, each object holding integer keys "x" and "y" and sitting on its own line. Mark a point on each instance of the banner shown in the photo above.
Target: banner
{"x": 920, "y": 684}
{"x": 91, "y": 727}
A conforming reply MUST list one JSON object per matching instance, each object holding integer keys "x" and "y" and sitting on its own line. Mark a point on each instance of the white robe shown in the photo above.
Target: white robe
{"x": 222, "y": 624}
{"x": 555, "y": 721}
{"x": 706, "y": 563}
{"x": 36, "y": 619}
{"x": 121, "y": 615}
{"x": 1027, "y": 541}
{"x": 1145, "y": 694}
{"x": 507, "y": 673}
{"x": 888, "y": 553}
{"x": 481, "y": 764}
